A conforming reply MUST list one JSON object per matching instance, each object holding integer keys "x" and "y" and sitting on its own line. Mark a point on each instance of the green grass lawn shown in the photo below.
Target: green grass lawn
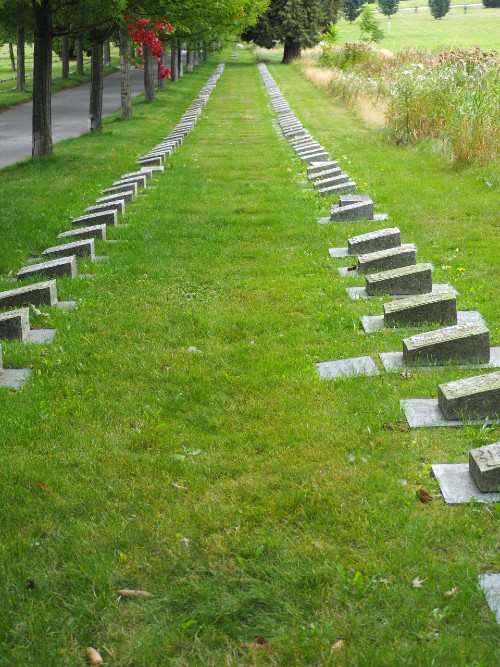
{"x": 479, "y": 26}
{"x": 270, "y": 514}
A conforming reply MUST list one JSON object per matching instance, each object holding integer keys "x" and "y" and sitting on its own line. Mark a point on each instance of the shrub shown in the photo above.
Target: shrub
{"x": 439, "y": 8}
{"x": 491, "y": 3}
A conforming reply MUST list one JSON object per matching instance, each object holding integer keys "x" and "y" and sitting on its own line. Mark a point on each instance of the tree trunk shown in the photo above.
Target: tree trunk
{"x": 107, "y": 53}
{"x": 149, "y": 80}
{"x": 126, "y": 92}
{"x": 21, "y": 61}
{"x": 163, "y": 61}
{"x": 79, "y": 56}
{"x": 291, "y": 51}
{"x": 65, "y": 57}
{"x": 174, "y": 59}
{"x": 12, "y": 59}
{"x": 181, "y": 68}
{"x": 96, "y": 86}
{"x": 42, "y": 79}
{"x": 189, "y": 60}
{"x": 196, "y": 56}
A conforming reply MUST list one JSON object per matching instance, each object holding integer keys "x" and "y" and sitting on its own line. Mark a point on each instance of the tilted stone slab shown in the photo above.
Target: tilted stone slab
{"x": 152, "y": 169}
{"x": 317, "y": 177}
{"x": 152, "y": 161}
{"x": 44, "y": 293}
{"x": 132, "y": 174}
{"x": 348, "y": 186}
{"x": 131, "y": 186}
{"x": 352, "y": 212}
{"x": 384, "y": 260}
{"x": 310, "y": 157}
{"x": 471, "y": 398}
{"x": 490, "y": 585}
{"x": 92, "y": 232}
{"x": 347, "y": 200}
{"x": 308, "y": 147}
{"x": 65, "y": 266}
{"x": 100, "y": 216}
{"x": 318, "y": 167}
{"x": 484, "y": 467}
{"x": 117, "y": 205}
{"x": 434, "y": 307}
{"x": 381, "y": 239}
{"x": 126, "y": 196}
{"x": 415, "y": 279}
{"x": 140, "y": 181}
{"x": 336, "y": 176}
{"x": 83, "y": 248}
{"x": 463, "y": 343}
{"x": 15, "y": 324}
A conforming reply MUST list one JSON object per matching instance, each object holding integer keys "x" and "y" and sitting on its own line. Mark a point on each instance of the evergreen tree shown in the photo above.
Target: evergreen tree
{"x": 439, "y": 8}
{"x": 351, "y": 9}
{"x": 294, "y": 23}
{"x": 388, "y": 7}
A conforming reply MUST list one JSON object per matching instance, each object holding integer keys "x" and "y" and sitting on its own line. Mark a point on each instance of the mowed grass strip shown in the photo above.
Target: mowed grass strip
{"x": 269, "y": 514}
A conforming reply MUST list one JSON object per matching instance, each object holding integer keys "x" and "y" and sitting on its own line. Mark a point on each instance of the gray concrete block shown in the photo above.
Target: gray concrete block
{"x": 147, "y": 173}
{"x": 384, "y": 260}
{"x": 348, "y": 186}
{"x": 126, "y": 196}
{"x": 462, "y": 343}
{"x": 471, "y": 398}
{"x": 99, "y": 218}
{"x": 381, "y": 239}
{"x": 15, "y": 324}
{"x": 311, "y": 157}
{"x": 425, "y": 412}
{"x": 347, "y": 367}
{"x": 140, "y": 181}
{"x": 457, "y": 486}
{"x": 352, "y": 212}
{"x": 83, "y": 248}
{"x": 319, "y": 166}
{"x": 14, "y": 378}
{"x": 484, "y": 467}
{"x": 92, "y": 232}
{"x": 393, "y": 362}
{"x": 152, "y": 169}
{"x": 415, "y": 279}
{"x": 150, "y": 162}
{"x": 44, "y": 293}
{"x": 490, "y": 585}
{"x": 130, "y": 186}
{"x": 320, "y": 176}
{"x": 440, "y": 308}
{"x": 118, "y": 206}
{"x": 334, "y": 179}
{"x": 65, "y": 266}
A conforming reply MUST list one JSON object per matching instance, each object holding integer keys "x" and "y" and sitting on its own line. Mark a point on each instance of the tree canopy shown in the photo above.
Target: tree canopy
{"x": 296, "y": 24}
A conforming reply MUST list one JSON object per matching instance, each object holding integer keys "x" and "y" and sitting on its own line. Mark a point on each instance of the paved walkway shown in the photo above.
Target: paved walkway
{"x": 70, "y": 116}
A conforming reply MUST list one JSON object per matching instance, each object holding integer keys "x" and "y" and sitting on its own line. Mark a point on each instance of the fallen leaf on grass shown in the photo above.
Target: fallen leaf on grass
{"x": 338, "y": 646}
{"x": 94, "y": 657}
{"x": 132, "y": 593}
{"x": 424, "y": 496}
{"x": 179, "y": 487}
{"x": 396, "y": 427}
{"x": 259, "y": 643}
{"x": 451, "y": 592}
{"x": 417, "y": 582}
{"x": 43, "y": 486}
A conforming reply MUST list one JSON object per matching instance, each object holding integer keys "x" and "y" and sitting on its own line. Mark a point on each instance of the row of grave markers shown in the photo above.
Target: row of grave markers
{"x": 61, "y": 260}
{"x": 391, "y": 268}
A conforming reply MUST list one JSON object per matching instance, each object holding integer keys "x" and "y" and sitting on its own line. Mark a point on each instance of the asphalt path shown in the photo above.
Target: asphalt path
{"x": 70, "y": 116}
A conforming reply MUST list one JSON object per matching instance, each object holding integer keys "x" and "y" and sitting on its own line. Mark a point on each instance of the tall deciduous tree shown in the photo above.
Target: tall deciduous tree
{"x": 388, "y": 7}
{"x": 294, "y": 23}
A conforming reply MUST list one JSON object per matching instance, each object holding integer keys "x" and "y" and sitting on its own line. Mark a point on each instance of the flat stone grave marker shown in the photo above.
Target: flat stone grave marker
{"x": 147, "y": 173}
{"x": 357, "y": 211}
{"x": 490, "y": 585}
{"x": 99, "y": 217}
{"x": 119, "y": 196}
{"x": 118, "y": 205}
{"x": 348, "y": 186}
{"x": 457, "y": 485}
{"x": 440, "y": 307}
{"x": 484, "y": 467}
{"x": 316, "y": 168}
{"x": 43, "y": 293}
{"x": 153, "y": 169}
{"x": 131, "y": 186}
{"x": 153, "y": 161}
{"x": 471, "y": 398}
{"x": 140, "y": 181}
{"x": 381, "y": 239}
{"x": 425, "y": 412}
{"x": 12, "y": 378}
{"x": 372, "y": 323}
{"x": 64, "y": 266}
{"x": 356, "y": 293}
{"x": 92, "y": 232}
{"x": 83, "y": 248}
{"x": 394, "y": 362}
{"x": 335, "y": 179}
{"x": 347, "y": 367}
{"x": 406, "y": 280}
{"x": 15, "y": 325}
{"x": 384, "y": 260}
{"x": 465, "y": 343}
